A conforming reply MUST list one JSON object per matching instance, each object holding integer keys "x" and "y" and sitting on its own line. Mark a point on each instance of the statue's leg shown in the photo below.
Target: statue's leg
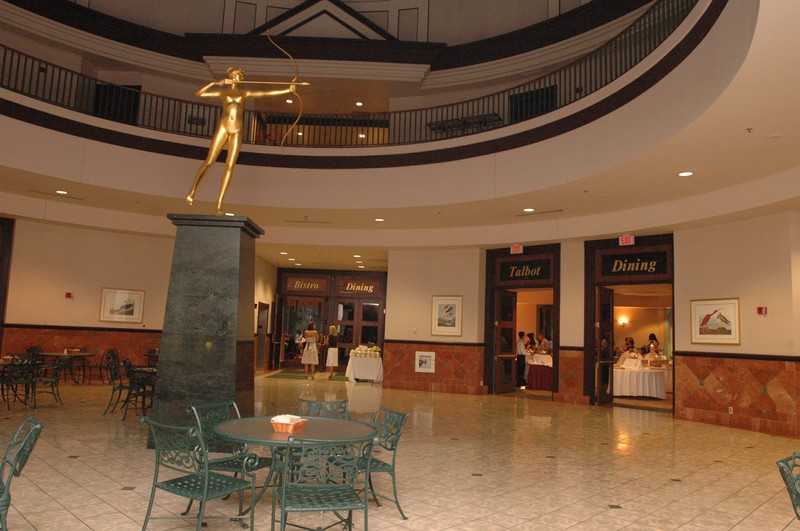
{"x": 234, "y": 145}
{"x": 213, "y": 152}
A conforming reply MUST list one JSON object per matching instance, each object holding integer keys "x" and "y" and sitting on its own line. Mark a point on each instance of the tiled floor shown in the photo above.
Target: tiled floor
{"x": 466, "y": 463}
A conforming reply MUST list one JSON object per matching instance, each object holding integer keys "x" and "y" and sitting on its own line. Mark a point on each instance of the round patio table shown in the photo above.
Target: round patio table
{"x": 259, "y": 430}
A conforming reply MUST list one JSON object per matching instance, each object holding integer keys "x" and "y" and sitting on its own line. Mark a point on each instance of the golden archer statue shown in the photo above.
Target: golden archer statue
{"x": 229, "y": 128}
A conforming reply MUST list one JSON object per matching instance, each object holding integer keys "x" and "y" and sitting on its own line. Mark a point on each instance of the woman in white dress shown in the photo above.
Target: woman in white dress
{"x": 332, "y": 359}
{"x": 310, "y": 357}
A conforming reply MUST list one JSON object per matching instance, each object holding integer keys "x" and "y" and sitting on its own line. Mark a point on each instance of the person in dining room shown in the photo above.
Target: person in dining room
{"x": 521, "y": 365}
{"x": 310, "y": 358}
{"x": 531, "y": 345}
{"x": 630, "y": 347}
{"x": 653, "y": 353}
{"x": 652, "y": 341}
{"x": 544, "y": 344}
{"x": 332, "y": 357}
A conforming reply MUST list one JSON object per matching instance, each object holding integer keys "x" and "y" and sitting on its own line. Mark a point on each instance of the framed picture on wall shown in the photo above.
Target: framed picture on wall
{"x": 121, "y": 305}
{"x": 446, "y": 316}
{"x": 425, "y": 361}
{"x": 715, "y": 321}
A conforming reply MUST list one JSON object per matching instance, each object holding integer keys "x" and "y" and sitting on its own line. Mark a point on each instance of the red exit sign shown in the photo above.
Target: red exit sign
{"x": 516, "y": 249}
{"x": 627, "y": 239}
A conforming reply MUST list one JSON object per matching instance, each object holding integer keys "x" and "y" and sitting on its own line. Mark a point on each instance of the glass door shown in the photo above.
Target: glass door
{"x": 604, "y": 346}
{"x": 297, "y": 313}
{"x": 359, "y": 323}
{"x": 505, "y": 356}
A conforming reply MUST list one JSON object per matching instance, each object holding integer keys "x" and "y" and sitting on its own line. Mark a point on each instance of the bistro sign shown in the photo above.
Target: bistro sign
{"x": 307, "y": 284}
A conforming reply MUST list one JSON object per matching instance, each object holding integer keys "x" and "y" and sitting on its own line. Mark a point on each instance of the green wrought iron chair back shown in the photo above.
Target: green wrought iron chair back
{"x": 323, "y": 476}
{"x": 389, "y": 426}
{"x": 789, "y": 468}
{"x": 16, "y": 456}
{"x": 181, "y": 449}
{"x": 334, "y": 409}
{"x": 34, "y": 354}
{"x": 178, "y": 448}
{"x": 112, "y": 366}
{"x": 207, "y": 416}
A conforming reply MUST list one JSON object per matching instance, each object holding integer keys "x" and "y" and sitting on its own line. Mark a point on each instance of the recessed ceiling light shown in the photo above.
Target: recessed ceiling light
{"x": 62, "y": 192}
{"x": 356, "y": 256}
{"x": 289, "y": 101}
{"x": 361, "y": 267}
{"x": 359, "y": 104}
{"x": 379, "y": 219}
{"x": 359, "y": 261}
{"x": 528, "y": 209}
{"x": 362, "y": 135}
{"x": 299, "y": 133}
{"x": 686, "y": 174}
{"x": 297, "y": 264}
{"x": 230, "y": 214}
{"x": 284, "y": 252}
{"x": 291, "y": 259}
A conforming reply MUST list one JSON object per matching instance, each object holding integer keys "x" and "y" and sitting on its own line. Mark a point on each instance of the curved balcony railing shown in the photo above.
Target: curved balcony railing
{"x": 38, "y": 79}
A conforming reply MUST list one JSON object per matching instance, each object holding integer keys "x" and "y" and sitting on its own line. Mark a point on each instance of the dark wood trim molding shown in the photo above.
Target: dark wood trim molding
{"x": 731, "y": 355}
{"x": 87, "y": 328}
{"x": 443, "y": 343}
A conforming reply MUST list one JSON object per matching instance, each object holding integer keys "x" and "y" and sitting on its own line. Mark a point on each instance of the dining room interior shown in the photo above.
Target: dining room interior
{"x": 639, "y": 311}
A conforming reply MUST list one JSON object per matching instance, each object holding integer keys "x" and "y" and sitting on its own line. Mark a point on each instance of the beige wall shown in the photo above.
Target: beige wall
{"x": 571, "y": 302}
{"x": 265, "y": 289}
{"x": 415, "y": 276}
{"x": 527, "y": 301}
{"x": 754, "y": 260}
{"x": 642, "y": 323}
{"x": 49, "y": 260}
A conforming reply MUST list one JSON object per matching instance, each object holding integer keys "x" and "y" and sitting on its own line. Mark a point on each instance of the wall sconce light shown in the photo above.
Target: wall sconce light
{"x": 622, "y": 321}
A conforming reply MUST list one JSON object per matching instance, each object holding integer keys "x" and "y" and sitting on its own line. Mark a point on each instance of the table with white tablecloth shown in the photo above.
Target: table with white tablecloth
{"x": 362, "y": 368}
{"x": 640, "y": 382}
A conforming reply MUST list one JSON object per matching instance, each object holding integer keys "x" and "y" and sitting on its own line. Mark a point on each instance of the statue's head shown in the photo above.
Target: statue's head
{"x": 235, "y": 72}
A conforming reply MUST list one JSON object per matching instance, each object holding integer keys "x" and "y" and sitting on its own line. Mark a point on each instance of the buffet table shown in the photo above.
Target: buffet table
{"x": 640, "y": 382}
{"x": 361, "y": 368}
{"x": 540, "y": 378}
{"x": 540, "y": 372}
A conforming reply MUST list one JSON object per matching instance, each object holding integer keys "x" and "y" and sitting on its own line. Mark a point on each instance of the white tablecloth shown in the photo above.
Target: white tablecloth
{"x": 640, "y": 382}
{"x": 364, "y": 369}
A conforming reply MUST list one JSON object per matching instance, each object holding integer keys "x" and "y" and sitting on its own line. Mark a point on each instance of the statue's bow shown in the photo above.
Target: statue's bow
{"x": 292, "y": 86}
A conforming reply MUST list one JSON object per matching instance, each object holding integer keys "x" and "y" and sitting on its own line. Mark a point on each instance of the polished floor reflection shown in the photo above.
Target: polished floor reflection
{"x": 465, "y": 463}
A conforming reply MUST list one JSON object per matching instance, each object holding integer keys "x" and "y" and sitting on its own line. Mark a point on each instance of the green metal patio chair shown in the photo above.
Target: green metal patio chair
{"x": 118, "y": 385}
{"x": 789, "y": 468}
{"x": 334, "y": 409}
{"x": 320, "y": 476}
{"x": 98, "y": 365}
{"x": 181, "y": 450}
{"x": 50, "y": 379}
{"x": 206, "y": 417}
{"x": 141, "y": 388}
{"x": 16, "y": 456}
{"x": 389, "y": 425}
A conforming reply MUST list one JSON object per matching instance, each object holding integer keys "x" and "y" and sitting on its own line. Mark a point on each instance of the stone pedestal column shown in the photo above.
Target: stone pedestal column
{"x": 207, "y": 344}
